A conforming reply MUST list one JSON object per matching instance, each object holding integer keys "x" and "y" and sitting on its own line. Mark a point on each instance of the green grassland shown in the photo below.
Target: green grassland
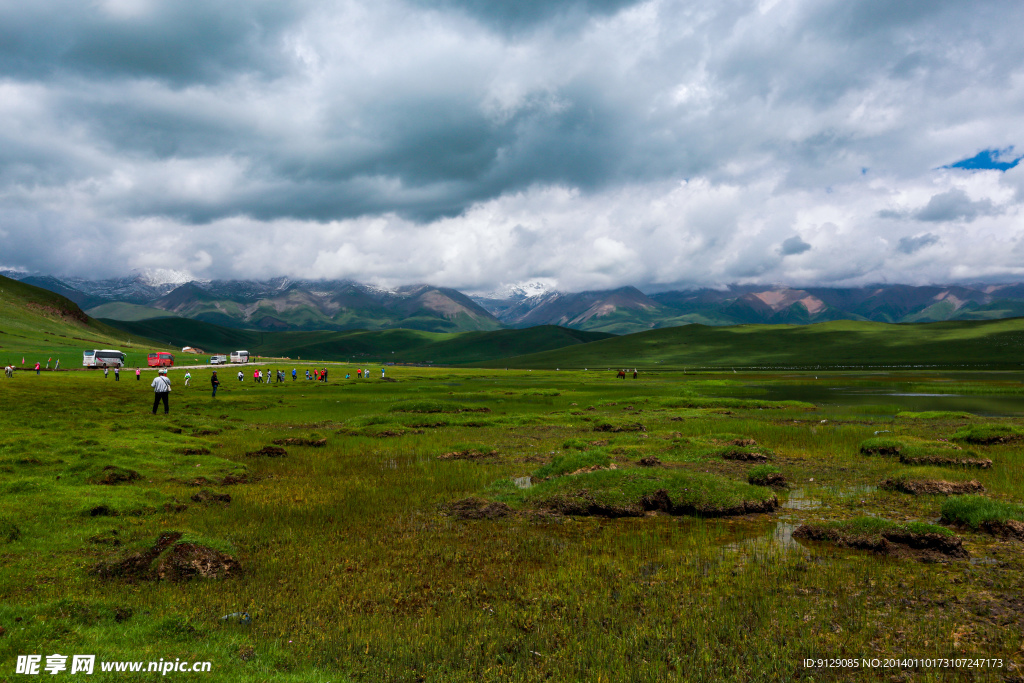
{"x": 400, "y": 345}
{"x": 356, "y": 566}
{"x": 493, "y": 524}
{"x": 839, "y": 344}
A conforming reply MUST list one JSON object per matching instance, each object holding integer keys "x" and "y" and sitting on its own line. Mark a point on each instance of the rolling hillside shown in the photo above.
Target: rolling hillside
{"x": 998, "y": 343}
{"x": 397, "y": 345}
{"x": 38, "y": 324}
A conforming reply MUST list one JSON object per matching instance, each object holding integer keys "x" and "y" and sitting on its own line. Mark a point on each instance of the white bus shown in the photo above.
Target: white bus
{"x": 103, "y": 358}
{"x": 239, "y": 356}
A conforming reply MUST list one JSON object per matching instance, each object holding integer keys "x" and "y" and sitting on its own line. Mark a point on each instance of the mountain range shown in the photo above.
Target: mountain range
{"x": 296, "y": 304}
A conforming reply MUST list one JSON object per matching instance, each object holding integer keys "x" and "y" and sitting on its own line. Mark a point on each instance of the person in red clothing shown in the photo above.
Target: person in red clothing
{"x": 37, "y": 368}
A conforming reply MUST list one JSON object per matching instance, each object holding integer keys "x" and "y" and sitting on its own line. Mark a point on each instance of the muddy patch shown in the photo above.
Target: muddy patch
{"x": 649, "y": 461}
{"x": 773, "y": 479}
{"x": 1011, "y": 528}
{"x": 932, "y": 487}
{"x": 171, "y": 560}
{"x": 927, "y": 547}
{"x": 112, "y": 474}
{"x": 627, "y": 427}
{"x": 195, "y": 451}
{"x": 981, "y": 464}
{"x": 207, "y": 497}
{"x": 743, "y": 455}
{"x": 469, "y": 454}
{"x": 299, "y": 441}
{"x": 269, "y": 451}
{"x": 476, "y": 508}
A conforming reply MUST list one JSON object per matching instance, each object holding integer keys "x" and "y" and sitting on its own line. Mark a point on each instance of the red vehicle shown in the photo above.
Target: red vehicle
{"x": 157, "y": 360}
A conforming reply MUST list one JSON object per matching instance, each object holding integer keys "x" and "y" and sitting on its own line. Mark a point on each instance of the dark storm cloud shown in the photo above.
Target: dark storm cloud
{"x": 503, "y": 15}
{"x": 793, "y": 245}
{"x": 953, "y": 205}
{"x": 908, "y": 245}
{"x": 180, "y": 42}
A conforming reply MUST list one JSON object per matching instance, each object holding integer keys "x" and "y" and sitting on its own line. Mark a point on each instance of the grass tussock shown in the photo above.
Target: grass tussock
{"x": 572, "y": 463}
{"x": 988, "y": 434}
{"x": 976, "y": 511}
{"x": 632, "y": 493}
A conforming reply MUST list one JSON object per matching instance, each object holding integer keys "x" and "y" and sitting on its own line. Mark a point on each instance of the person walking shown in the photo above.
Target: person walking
{"x": 57, "y": 366}
{"x": 325, "y": 375}
{"x": 161, "y": 388}
{"x": 241, "y": 377}
{"x": 359, "y": 373}
{"x": 106, "y": 370}
{"x": 294, "y": 374}
{"x": 634, "y": 373}
{"x": 138, "y": 375}
{"x": 117, "y": 374}
{"x": 214, "y": 382}
{"x": 188, "y": 377}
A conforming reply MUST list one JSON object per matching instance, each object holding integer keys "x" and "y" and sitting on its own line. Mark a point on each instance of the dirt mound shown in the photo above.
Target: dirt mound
{"x": 649, "y": 461}
{"x": 470, "y": 454}
{"x": 1011, "y": 528}
{"x": 476, "y": 508}
{"x": 388, "y": 379}
{"x": 205, "y": 432}
{"x": 206, "y": 496}
{"x": 231, "y": 480}
{"x": 934, "y": 487}
{"x": 195, "y": 451}
{"x": 896, "y": 543}
{"x": 112, "y": 474}
{"x": 981, "y": 464}
{"x": 269, "y": 451}
{"x": 186, "y": 561}
{"x": 743, "y": 455}
{"x": 881, "y": 450}
{"x": 599, "y": 442}
{"x": 627, "y": 427}
{"x": 169, "y": 560}
{"x": 772, "y": 479}
{"x": 299, "y": 441}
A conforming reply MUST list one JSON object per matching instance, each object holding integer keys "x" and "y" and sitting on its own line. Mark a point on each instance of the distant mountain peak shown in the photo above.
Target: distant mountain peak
{"x": 155, "y": 277}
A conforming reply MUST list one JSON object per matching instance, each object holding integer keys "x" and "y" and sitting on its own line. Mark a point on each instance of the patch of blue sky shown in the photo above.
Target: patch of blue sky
{"x": 989, "y": 159}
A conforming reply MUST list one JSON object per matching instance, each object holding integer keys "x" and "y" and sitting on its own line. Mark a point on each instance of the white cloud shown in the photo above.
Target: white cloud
{"x": 658, "y": 143}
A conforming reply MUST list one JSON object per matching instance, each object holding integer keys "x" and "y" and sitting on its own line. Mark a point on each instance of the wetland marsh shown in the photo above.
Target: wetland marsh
{"x": 476, "y": 525}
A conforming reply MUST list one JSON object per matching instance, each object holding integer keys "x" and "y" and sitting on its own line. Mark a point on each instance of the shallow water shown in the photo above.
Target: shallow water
{"x": 894, "y": 394}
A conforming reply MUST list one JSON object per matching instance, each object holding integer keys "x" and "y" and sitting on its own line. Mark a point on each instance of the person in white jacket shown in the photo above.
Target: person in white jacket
{"x": 161, "y": 389}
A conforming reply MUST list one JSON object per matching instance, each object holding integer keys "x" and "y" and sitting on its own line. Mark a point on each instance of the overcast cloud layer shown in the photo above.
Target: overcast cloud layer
{"x": 481, "y": 143}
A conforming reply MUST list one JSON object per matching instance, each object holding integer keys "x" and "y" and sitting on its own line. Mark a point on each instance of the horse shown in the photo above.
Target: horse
{"x": 621, "y": 375}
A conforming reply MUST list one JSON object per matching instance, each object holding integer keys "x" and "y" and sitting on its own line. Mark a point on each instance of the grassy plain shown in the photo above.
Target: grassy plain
{"x": 353, "y": 568}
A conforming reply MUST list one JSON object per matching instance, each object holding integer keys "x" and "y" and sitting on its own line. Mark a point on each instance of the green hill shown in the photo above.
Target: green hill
{"x": 997, "y": 343}
{"x": 121, "y": 310}
{"x": 38, "y": 324}
{"x": 398, "y": 345}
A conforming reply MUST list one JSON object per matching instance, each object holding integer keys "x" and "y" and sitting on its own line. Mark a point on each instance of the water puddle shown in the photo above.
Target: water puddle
{"x": 779, "y": 538}
{"x": 798, "y": 500}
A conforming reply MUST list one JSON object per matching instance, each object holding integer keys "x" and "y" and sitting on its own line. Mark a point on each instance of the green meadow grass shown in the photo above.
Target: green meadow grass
{"x": 353, "y": 570}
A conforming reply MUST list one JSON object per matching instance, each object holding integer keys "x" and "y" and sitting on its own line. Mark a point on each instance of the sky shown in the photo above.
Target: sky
{"x": 483, "y": 144}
